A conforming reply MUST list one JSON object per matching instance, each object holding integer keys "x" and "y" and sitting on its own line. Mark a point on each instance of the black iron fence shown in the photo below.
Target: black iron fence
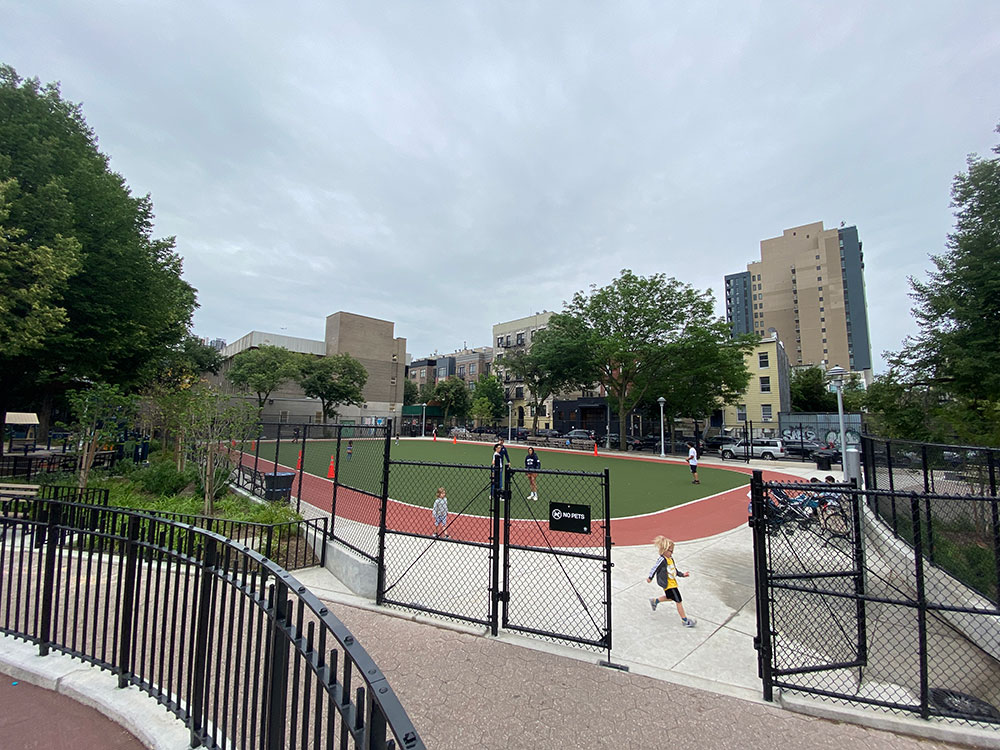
{"x": 221, "y": 636}
{"x": 31, "y": 467}
{"x": 850, "y": 611}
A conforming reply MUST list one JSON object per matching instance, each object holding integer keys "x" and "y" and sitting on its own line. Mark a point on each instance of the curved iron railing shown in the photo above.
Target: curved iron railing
{"x": 223, "y": 637}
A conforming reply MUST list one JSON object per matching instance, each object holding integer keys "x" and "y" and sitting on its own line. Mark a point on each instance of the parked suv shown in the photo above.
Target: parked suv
{"x": 766, "y": 448}
{"x": 580, "y": 435}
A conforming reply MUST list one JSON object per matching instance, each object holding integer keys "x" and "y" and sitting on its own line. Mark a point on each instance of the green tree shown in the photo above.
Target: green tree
{"x": 482, "y": 410}
{"x": 703, "y": 369}
{"x": 335, "y": 379}
{"x": 810, "y": 391}
{"x": 263, "y": 369}
{"x": 33, "y": 279}
{"x": 956, "y": 351}
{"x": 559, "y": 359}
{"x": 121, "y": 290}
{"x": 100, "y": 413}
{"x": 212, "y": 421}
{"x": 628, "y": 326}
{"x": 453, "y": 395}
{"x": 489, "y": 387}
{"x": 411, "y": 394}
{"x": 426, "y": 392}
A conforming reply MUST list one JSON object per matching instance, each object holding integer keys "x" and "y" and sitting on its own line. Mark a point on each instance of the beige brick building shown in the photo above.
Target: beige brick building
{"x": 369, "y": 340}
{"x": 808, "y": 286}
{"x": 513, "y": 336}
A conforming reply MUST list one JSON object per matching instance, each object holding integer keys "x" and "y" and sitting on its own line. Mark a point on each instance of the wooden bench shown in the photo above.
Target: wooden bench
{"x": 11, "y": 491}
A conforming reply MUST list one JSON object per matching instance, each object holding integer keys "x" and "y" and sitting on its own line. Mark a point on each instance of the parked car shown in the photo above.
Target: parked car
{"x": 546, "y": 432}
{"x": 516, "y": 433}
{"x": 716, "y": 442}
{"x": 580, "y": 435}
{"x": 802, "y": 447}
{"x": 766, "y": 448}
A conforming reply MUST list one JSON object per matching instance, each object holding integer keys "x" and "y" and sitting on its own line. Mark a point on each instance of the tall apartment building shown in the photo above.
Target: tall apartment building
{"x": 512, "y": 336}
{"x": 809, "y": 287}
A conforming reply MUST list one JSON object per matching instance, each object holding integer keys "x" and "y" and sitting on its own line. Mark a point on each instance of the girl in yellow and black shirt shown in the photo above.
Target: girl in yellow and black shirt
{"x": 666, "y": 574}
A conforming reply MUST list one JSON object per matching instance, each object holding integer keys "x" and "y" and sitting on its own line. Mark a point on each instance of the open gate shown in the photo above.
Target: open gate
{"x": 540, "y": 567}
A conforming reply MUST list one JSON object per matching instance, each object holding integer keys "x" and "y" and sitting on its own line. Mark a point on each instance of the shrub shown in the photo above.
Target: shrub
{"x": 162, "y": 478}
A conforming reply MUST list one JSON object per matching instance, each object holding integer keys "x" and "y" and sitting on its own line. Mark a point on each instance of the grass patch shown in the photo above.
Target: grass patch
{"x": 637, "y": 486}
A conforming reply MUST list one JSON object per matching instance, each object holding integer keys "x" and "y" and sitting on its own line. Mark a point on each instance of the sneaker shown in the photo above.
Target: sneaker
{"x": 688, "y": 622}
{"x": 653, "y": 603}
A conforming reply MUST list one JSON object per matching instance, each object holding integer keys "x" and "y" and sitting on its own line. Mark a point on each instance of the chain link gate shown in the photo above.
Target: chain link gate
{"x": 498, "y": 561}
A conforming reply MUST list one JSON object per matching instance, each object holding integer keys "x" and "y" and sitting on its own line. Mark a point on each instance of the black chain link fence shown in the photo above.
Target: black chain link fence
{"x": 556, "y": 582}
{"x": 337, "y": 469}
{"x": 851, "y": 611}
{"x": 441, "y": 565}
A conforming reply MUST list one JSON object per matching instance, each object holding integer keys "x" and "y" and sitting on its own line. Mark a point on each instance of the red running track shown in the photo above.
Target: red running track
{"x": 697, "y": 519}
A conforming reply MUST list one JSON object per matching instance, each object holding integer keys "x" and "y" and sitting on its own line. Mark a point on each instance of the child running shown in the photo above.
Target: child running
{"x": 666, "y": 576}
{"x": 440, "y": 513}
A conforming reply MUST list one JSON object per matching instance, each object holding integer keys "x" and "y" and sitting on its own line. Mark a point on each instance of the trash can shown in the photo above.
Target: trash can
{"x": 278, "y": 486}
{"x": 823, "y": 462}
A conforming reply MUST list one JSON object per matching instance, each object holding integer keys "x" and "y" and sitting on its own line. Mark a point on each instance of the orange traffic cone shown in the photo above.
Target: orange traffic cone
{"x": 331, "y": 473}
{"x": 454, "y": 440}
{"x": 298, "y": 464}
{"x": 253, "y": 445}
{"x": 595, "y": 449}
{"x": 435, "y": 436}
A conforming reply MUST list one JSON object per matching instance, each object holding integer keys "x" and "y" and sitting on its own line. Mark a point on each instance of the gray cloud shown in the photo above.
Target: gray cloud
{"x": 452, "y": 165}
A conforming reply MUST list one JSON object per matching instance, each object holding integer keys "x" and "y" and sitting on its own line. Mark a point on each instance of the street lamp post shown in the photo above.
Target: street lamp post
{"x": 510, "y": 418}
{"x": 607, "y": 429}
{"x": 661, "y": 401}
{"x": 423, "y": 418}
{"x": 836, "y": 376}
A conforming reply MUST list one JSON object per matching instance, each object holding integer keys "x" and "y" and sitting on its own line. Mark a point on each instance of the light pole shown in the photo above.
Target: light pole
{"x": 510, "y": 418}
{"x": 607, "y": 430}
{"x": 836, "y": 376}
{"x": 661, "y": 401}
{"x": 423, "y": 418}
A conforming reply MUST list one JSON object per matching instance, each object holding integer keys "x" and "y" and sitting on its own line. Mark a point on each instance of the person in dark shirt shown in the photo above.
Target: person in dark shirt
{"x": 532, "y": 463}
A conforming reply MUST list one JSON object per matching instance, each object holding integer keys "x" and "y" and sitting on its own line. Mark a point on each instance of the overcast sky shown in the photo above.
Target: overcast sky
{"x": 448, "y": 166}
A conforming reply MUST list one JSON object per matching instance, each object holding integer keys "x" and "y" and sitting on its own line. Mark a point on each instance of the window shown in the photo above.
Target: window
{"x": 472, "y": 369}
{"x": 442, "y": 371}
{"x": 461, "y": 370}
{"x": 392, "y": 381}
{"x": 507, "y": 342}
{"x": 741, "y": 413}
{"x": 765, "y": 412}
{"x": 762, "y": 360}
{"x": 283, "y": 417}
{"x": 765, "y": 384}
{"x": 499, "y": 340}
{"x": 519, "y": 392}
{"x": 520, "y": 339}
{"x": 318, "y": 418}
{"x": 423, "y": 373}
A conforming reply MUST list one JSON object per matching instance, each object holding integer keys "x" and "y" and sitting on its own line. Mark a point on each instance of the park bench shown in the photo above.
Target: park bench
{"x": 13, "y": 491}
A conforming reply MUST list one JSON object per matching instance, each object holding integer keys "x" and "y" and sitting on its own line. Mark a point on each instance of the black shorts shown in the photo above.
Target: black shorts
{"x": 694, "y": 468}
{"x": 674, "y": 593}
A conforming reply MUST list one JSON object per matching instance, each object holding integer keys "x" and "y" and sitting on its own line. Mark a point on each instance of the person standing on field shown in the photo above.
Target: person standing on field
{"x": 692, "y": 460}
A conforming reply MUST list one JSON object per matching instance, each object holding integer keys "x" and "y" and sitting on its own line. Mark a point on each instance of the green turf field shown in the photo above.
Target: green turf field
{"x": 637, "y": 486}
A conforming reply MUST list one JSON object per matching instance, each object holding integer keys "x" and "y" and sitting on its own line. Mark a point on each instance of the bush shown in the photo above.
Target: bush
{"x": 162, "y": 478}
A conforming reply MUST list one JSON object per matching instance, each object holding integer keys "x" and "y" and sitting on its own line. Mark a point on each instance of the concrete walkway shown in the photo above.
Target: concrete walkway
{"x": 686, "y": 688}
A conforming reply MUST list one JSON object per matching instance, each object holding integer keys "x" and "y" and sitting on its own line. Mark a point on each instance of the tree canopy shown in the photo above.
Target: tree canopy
{"x": 488, "y": 386}
{"x": 952, "y": 364}
{"x": 90, "y": 294}
{"x": 453, "y": 395}
{"x": 335, "y": 379}
{"x": 263, "y": 369}
{"x": 632, "y": 327}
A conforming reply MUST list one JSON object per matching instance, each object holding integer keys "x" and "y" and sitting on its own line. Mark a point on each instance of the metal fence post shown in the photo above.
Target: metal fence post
{"x": 336, "y": 484}
{"x": 375, "y": 726}
{"x": 302, "y": 468}
{"x": 199, "y": 641}
{"x": 762, "y": 642}
{"x": 496, "y": 492}
{"x": 277, "y": 671}
{"x": 995, "y": 517}
{"x": 918, "y": 565}
{"x": 48, "y": 585}
{"x": 608, "y": 565}
{"x": 277, "y": 448}
{"x": 128, "y": 601}
{"x": 383, "y": 515}
{"x": 859, "y": 575}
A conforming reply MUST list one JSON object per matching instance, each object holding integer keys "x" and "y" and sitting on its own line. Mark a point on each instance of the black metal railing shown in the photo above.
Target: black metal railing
{"x": 224, "y": 638}
{"x": 31, "y": 467}
{"x": 850, "y": 611}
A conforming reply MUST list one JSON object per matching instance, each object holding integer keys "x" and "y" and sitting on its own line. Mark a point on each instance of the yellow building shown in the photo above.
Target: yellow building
{"x": 515, "y": 336}
{"x": 767, "y": 392}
